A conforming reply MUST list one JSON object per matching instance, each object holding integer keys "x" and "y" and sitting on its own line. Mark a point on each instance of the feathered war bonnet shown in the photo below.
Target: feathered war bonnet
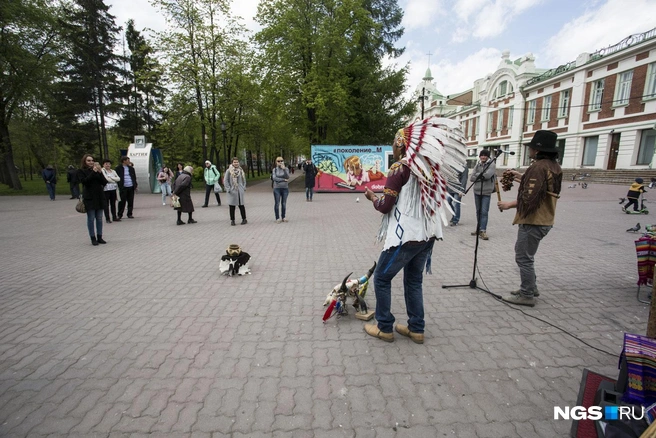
{"x": 435, "y": 152}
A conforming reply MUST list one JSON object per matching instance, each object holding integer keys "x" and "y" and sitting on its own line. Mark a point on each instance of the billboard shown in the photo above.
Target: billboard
{"x": 351, "y": 168}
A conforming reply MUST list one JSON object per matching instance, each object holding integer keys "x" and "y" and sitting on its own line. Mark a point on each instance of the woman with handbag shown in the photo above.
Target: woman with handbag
{"x": 93, "y": 196}
{"x": 182, "y": 194}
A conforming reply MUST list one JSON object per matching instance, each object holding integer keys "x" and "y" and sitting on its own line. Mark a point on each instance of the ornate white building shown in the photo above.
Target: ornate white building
{"x": 602, "y": 105}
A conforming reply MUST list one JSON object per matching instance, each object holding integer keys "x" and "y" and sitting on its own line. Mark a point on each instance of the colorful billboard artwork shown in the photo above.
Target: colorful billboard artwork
{"x": 351, "y": 168}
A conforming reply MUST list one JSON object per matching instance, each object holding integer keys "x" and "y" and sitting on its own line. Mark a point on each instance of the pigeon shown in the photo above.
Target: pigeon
{"x": 622, "y": 200}
{"x": 634, "y": 229}
{"x": 573, "y": 186}
{"x": 584, "y": 185}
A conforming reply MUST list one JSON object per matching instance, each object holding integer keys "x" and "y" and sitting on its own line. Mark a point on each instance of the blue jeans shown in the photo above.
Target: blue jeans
{"x": 456, "y": 207}
{"x": 97, "y": 216}
{"x": 51, "y": 190}
{"x": 483, "y": 203}
{"x": 166, "y": 190}
{"x": 411, "y": 258}
{"x": 309, "y": 191}
{"x": 280, "y": 195}
{"x": 528, "y": 241}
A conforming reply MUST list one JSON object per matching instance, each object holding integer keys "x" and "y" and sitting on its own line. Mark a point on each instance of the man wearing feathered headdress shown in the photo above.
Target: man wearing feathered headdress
{"x": 428, "y": 156}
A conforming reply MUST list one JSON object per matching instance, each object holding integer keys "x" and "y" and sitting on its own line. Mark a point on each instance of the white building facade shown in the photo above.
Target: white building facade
{"x": 602, "y": 106}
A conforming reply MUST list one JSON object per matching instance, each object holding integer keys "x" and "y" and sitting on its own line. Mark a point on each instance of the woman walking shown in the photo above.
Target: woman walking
{"x": 179, "y": 169}
{"x": 280, "y": 176}
{"x": 164, "y": 178}
{"x": 182, "y": 189}
{"x": 111, "y": 190}
{"x": 93, "y": 196}
{"x": 234, "y": 182}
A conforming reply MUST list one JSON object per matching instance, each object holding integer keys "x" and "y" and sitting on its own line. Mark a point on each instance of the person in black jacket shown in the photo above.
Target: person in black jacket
{"x": 93, "y": 196}
{"x": 50, "y": 177}
{"x": 310, "y": 175}
{"x": 127, "y": 186}
{"x": 71, "y": 179}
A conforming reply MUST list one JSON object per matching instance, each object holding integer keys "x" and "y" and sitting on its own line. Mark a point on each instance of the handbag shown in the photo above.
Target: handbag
{"x": 80, "y": 207}
{"x": 217, "y": 188}
{"x": 175, "y": 202}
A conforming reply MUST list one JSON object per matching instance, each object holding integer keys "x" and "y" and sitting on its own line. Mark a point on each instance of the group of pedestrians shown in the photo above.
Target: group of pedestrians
{"x": 102, "y": 186}
{"x": 234, "y": 185}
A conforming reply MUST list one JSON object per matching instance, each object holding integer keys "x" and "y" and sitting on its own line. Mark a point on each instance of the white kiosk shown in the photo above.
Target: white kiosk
{"x": 147, "y": 162}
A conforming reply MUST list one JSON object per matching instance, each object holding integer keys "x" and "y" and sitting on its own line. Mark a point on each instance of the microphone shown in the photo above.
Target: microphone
{"x": 499, "y": 152}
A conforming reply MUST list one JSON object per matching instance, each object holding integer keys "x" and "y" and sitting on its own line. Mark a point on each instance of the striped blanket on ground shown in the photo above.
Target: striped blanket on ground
{"x": 640, "y": 353}
{"x": 646, "y": 253}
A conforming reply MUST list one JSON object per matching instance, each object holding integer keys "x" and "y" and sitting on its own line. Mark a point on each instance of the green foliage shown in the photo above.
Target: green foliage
{"x": 28, "y": 57}
{"x": 323, "y": 60}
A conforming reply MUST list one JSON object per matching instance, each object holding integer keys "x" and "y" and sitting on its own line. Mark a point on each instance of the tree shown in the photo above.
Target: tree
{"x": 325, "y": 58}
{"x": 141, "y": 113}
{"x": 28, "y": 57}
{"x": 91, "y": 74}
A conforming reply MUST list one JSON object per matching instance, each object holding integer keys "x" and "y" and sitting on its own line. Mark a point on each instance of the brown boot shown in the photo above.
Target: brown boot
{"x": 417, "y": 338}
{"x": 373, "y": 330}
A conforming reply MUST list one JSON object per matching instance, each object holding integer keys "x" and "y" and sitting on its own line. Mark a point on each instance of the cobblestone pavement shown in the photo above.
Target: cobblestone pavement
{"x": 142, "y": 337}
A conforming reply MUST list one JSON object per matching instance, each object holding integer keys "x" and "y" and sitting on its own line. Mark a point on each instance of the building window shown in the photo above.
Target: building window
{"x": 590, "y": 151}
{"x": 646, "y": 151}
{"x": 470, "y": 127}
{"x": 546, "y": 107}
{"x": 503, "y": 87}
{"x": 530, "y": 119}
{"x": 500, "y": 119}
{"x": 564, "y": 103}
{"x": 597, "y": 95}
{"x": 560, "y": 147}
{"x": 623, "y": 88}
{"x": 526, "y": 160}
{"x": 505, "y": 156}
{"x": 650, "y": 85}
{"x": 489, "y": 121}
{"x": 511, "y": 110}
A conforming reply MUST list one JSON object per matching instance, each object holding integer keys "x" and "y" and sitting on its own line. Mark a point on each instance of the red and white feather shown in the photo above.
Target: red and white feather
{"x": 436, "y": 153}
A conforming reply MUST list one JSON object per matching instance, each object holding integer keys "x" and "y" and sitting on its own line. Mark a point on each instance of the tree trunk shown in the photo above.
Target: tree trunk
{"x": 103, "y": 131}
{"x": 9, "y": 173}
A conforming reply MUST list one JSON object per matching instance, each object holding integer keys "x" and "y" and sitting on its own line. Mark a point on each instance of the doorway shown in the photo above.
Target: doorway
{"x": 613, "y": 151}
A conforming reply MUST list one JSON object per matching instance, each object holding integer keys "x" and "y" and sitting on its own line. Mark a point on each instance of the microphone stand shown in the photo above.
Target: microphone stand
{"x": 472, "y": 283}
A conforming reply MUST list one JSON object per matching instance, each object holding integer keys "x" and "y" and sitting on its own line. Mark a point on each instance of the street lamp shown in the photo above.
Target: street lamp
{"x": 225, "y": 158}
{"x": 423, "y": 99}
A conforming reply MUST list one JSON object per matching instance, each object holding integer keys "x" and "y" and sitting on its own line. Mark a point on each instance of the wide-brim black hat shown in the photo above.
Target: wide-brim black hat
{"x": 544, "y": 141}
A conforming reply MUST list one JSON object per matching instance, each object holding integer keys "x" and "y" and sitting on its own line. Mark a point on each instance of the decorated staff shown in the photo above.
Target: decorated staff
{"x": 496, "y": 188}
{"x": 355, "y": 289}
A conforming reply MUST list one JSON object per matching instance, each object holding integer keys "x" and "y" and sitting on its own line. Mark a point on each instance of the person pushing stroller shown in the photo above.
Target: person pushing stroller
{"x": 637, "y": 188}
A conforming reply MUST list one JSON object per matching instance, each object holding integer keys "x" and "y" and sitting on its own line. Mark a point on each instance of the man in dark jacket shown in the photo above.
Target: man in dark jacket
{"x": 71, "y": 179}
{"x": 310, "y": 174}
{"x": 50, "y": 177}
{"x": 127, "y": 186}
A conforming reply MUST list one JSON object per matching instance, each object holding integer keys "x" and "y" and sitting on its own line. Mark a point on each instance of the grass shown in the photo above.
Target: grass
{"x": 37, "y": 187}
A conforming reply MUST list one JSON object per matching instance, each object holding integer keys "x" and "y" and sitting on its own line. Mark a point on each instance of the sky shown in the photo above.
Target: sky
{"x": 465, "y": 38}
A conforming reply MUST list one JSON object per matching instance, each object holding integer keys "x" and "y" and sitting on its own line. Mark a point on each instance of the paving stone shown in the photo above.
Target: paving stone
{"x": 170, "y": 348}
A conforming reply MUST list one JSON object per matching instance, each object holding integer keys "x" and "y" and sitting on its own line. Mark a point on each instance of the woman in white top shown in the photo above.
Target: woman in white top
{"x": 111, "y": 192}
{"x": 164, "y": 177}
